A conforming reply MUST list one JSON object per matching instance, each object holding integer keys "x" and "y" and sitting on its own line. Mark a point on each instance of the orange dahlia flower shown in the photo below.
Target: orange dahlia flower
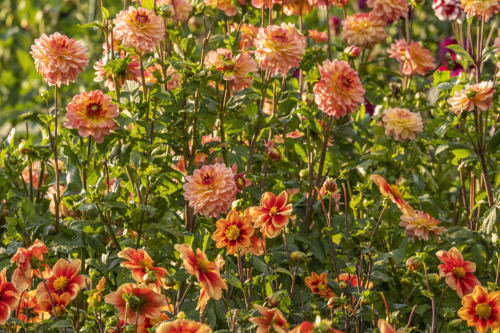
{"x": 92, "y": 113}
{"x": 30, "y": 309}
{"x": 64, "y": 279}
{"x": 339, "y": 89}
{"x": 61, "y": 302}
{"x": 402, "y": 124}
{"x": 273, "y": 214}
{"x": 388, "y": 10}
{"x": 363, "y": 30}
{"x": 205, "y": 271}
{"x": 227, "y": 6}
{"x": 480, "y": 9}
{"x": 319, "y": 285}
{"x": 420, "y": 226}
{"x": 279, "y": 48}
{"x": 271, "y": 320}
{"x": 211, "y": 190}
{"x": 9, "y": 298}
{"x": 308, "y": 327}
{"x": 385, "y": 327}
{"x": 413, "y": 57}
{"x": 234, "y": 232}
{"x": 479, "y": 95}
{"x": 148, "y": 306}
{"x": 296, "y": 7}
{"x": 140, "y": 263}
{"x": 139, "y": 28}
{"x": 29, "y": 261}
{"x": 481, "y": 309}
{"x": 203, "y": 299}
{"x": 59, "y": 59}
{"x": 183, "y": 326}
{"x": 392, "y": 191}
{"x": 318, "y": 36}
{"x": 457, "y": 272}
{"x": 354, "y": 280}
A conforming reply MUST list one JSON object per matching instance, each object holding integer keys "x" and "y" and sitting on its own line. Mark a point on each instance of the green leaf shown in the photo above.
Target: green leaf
{"x": 148, "y": 4}
{"x": 489, "y": 220}
{"x": 89, "y": 25}
{"x": 460, "y": 51}
{"x": 494, "y": 142}
{"x": 117, "y": 67}
{"x": 427, "y": 293}
{"x": 440, "y": 77}
{"x": 232, "y": 280}
{"x": 285, "y": 271}
{"x": 105, "y": 13}
{"x": 459, "y": 155}
{"x": 62, "y": 324}
{"x": 344, "y": 131}
{"x": 45, "y": 118}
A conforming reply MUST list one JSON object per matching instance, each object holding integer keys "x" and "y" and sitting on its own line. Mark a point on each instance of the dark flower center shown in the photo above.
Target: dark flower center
{"x": 95, "y": 110}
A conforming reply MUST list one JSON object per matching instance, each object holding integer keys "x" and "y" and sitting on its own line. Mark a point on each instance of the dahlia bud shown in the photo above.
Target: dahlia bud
{"x": 342, "y": 285}
{"x": 308, "y": 98}
{"x": 181, "y": 315}
{"x": 297, "y": 254}
{"x": 23, "y": 149}
{"x": 240, "y": 183}
{"x": 449, "y": 315}
{"x": 200, "y": 7}
{"x": 433, "y": 278}
{"x": 405, "y": 281}
{"x": 330, "y": 185}
{"x": 455, "y": 323}
{"x": 395, "y": 88}
{"x": 149, "y": 278}
{"x": 170, "y": 281}
{"x": 334, "y": 302}
{"x": 134, "y": 303}
{"x": 272, "y": 152}
{"x": 352, "y": 52}
{"x": 112, "y": 322}
{"x": 274, "y": 301}
{"x": 366, "y": 301}
{"x": 130, "y": 328}
{"x": 165, "y": 12}
{"x": 269, "y": 259}
{"x": 316, "y": 49}
{"x": 414, "y": 263}
{"x": 303, "y": 174}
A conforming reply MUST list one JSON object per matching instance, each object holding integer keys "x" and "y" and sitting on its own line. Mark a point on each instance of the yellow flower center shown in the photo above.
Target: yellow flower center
{"x": 145, "y": 264}
{"x": 322, "y": 287}
{"x": 203, "y": 265}
{"x": 232, "y": 233}
{"x": 274, "y": 210}
{"x": 61, "y": 283}
{"x": 59, "y": 310}
{"x": 396, "y": 192}
{"x": 483, "y": 310}
{"x": 459, "y": 272}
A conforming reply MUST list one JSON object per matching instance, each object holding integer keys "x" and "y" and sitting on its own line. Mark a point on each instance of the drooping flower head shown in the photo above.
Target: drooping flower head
{"x": 481, "y": 309}
{"x": 479, "y": 95}
{"x": 388, "y": 10}
{"x": 30, "y": 309}
{"x": 205, "y": 271}
{"x": 457, "y": 272}
{"x": 29, "y": 262}
{"x": 339, "y": 89}
{"x": 64, "y": 279}
{"x": 61, "y": 303}
{"x": 183, "y": 326}
{"x": 92, "y": 113}
{"x": 59, "y": 59}
{"x": 227, "y": 6}
{"x": 448, "y": 10}
{"x": 402, "y": 124}
{"x": 393, "y": 193}
{"x": 239, "y": 179}
{"x": 319, "y": 285}
{"x": 363, "y": 30}
{"x": 9, "y": 298}
{"x": 139, "y": 28}
{"x": 413, "y": 57}
{"x": 480, "y": 8}
{"x": 272, "y": 320}
{"x": 132, "y": 73}
{"x": 420, "y": 226}
{"x": 234, "y": 232}
{"x": 279, "y": 48}
{"x": 273, "y": 214}
{"x": 140, "y": 263}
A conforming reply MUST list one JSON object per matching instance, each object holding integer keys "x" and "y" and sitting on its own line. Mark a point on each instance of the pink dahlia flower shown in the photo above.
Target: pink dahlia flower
{"x": 363, "y": 30}
{"x": 448, "y": 10}
{"x": 226, "y": 6}
{"x": 296, "y": 7}
{"x": 139, "y": 28}
{"x": 388, "y": 10}
{"x": 402, "y": 124}
{"x": 339, "y": 89}
{"x": 318, "y": 36}
{"x": 92, "y": 113}
{"x": 133, "y": 73}
{"x": 279, "y": 48}
{"x": 59, "y": 59}
{"x": 420, "y": 226}
{"x": 457, "y": 272}
{"x": 179, "y": 10}
{"x": 211, "y": 190}
{"x": 175, "y": 77}
{"x": 264, "y": 3}
{"x": 247, "y": 33}
{"x": 413, "y": 58}
{"x": 480, "y": 8}
{"x": 479, "y": 95}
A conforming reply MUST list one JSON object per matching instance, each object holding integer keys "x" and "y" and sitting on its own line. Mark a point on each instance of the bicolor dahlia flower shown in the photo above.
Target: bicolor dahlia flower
{"x": 226, "y": 6}
{"x": 234, "y": 232}
{"x": 479, "y": 95}
{"x": 339, "y": 89}
{"x": 30, "y": 309}
{"x": 319, "y": 285}
{"x": 393, "y": 193}
{"x": 363, "y": 30}
{"x": 448, "y": 10}
{"x": 59, "y": 59}
{"x": 272, "y": 320}
{"x": 60, "y": 301}
{"x": 402, "y": 124}
{"x": 385, "y": 327}
{"x": 481, "y": 309}
{"x": 413, "y": 57}
{"x": 9, "y": 298}
{"x": 64, "y": 279}
{"x": 206, "y": 272}
{"x": 457, "y": 272}
{"x": 480, "y": 8}
{"x": 29, "y": 262}
{"x": 273, "y": 214}
{"x": 420, "y": 226}
{"x": 317, "y": 36}
{"x": 211, "y": 190}
{"x": 183, "y": 326}
{"x": 204, "y": 297}
{"x": 388, "y": 10}
{"x": 140, "y": 263}
{"x": 92, "y": 113}
{"x": 308, "y": 327}
{"x": 132, "y": 73}
{"x": 139, "y": 28}
{"x": 279, "y": 48}
{"x": 346, "y": 277}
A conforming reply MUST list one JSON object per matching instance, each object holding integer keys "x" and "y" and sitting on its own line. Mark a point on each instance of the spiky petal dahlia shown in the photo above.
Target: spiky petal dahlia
{"x": 226, "y": 6}
{"x": 479, "y": 95}
{"x": 388, "y": 10}
{"x": 211, "y": 190}
{"x": 234, "y": 232}
{"x": 481, "y": 309}
{"x": 139, "y": 28}
{"x": 480, "y": 8}
{"x": 363, "y": 30}
{"x": 279, "y": 48}
{"x": 339, "y": 89}
{"x": 59, "y": 59}
{"x": 183, "y": 326}
{"x": 458, "y": 273}
{"x": 402, "y": 124}
{"x": 413, "y": 57}
{"x": 420, "y": 226}
{"x": 273, "y": 214}
{"x": 448, "y": 10}
{"x": 272, "y": 320}
{"x": 92, "y": 113}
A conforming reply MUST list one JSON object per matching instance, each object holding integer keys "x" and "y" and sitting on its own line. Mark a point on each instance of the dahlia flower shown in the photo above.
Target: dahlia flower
{"x": 61, "y": 301}
{"x": 481, "y": 309}
{"x": 234, "y": 232}
{"x": 64, "y": 279}
{"x": 318, "y": 36}
{"x": 458, "y": 273}
{"x": 296, "y": 7}
{"x": 402, "y": 124}
{"x": 175, "y": 77}
{"x": 226, "y": 6}
{"x": 388, "y": 10}
{"x": 272, "y": 320}
{"x": 239, "y": 179}
{"x": 9, "y": 298}
{"x": 183, "y": 326}
{"x": 346, "y": 277}
{"x": 339, "y": 89}
{"x": 363, "y": 30}
{"x": 133, "y": 73}
{"x": 30, "y": 309}
{"x": 448, "y": 10}
{"x": 204, "y": 297}
{"x": 21, "y": 278}
{"x": 92, "y": 113}
{"x": 480, "y": 8}
{"x": 140, "y": 263}
{"x": 37, "y": 172}
{"x": 247, "y": 34}
{"x": 205, "y": 271}
{"x": 179, "y": 9}
{"x": 59, "y": 59}
{"x": 273, "y": 214}
{"x": 479, "y": 95}
{"x": 211, "y": 190}
{"x": 139, "y": 28}
{"x": 264, "y": 3}
{"x": 385, "y": 327}
{"x": 63, "y": 209}
{"x": 393, "y": 193}
{"x": 322, "y": 325}
{"x": 279, "y": 48}
{"x": 420, "y": 226}
{"x": 149, "y": 305}
{"x": 319, "y": 285}
{"x": 295, "y": 134}
{"x": 413, "y": 58}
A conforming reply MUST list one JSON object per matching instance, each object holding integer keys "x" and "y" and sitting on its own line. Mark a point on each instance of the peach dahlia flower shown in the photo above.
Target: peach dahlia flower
{"x": 226, "y": 6}
{"x": 30, "y": 309}
{"x": 175, "y": 77}
{"x": 139, "y": 28}
{"x": 479, "y": 95}
{"x": 339, "y": 89}
{"x": 59, "y": 59}
{"x": 279, "y": 48}
{"x": 388, "y": 10}
{"x": 402, "y": 124}
{"x": 413, "y": 57}
{"x": 480, "y": 8}
{"x": 64, "y": 211}
{"x": 318, "y": 36}
{"x": 296, "y": 7}
{"x": 61, "y": 302}
{"x": 64, "y": 279}
{"x": 363, "y": 30}
{"x": 132, "y": 73}
{"x": 481, "y": 309}
{"x": 272, "y": 320}
{"x": 420, "y": 226}
{"x": 92, "y": 113}
{"x": 183, "y": 326}
{"x": 234, "y": 232}
{"x": 264, "y": 3}
{"x": 9, "y": 298}
{"x": 457, "y": 272}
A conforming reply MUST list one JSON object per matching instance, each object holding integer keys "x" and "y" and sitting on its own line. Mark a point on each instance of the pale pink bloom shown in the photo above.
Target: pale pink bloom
{"x": 247, "y": 32}
{"x": 318, "y": 36}
{"x": 279, "y": 48}
{"x": 63, "y": 209}
{"x": 420, "y": 226}
{"x": 234, "y": 69}
{"x": 179, "y": 10}
{"x": 114, "y": 41}
{"x": 139, "y": 28}
{"x": 448, "y": 10}
{"x": 133, "y": 73}
{"x": 413, "y": 58}
{"x": 296, "y": 7}
{"x": 339, "y": 89}
{"x": 402, "y": 124}
{"x": 388, "y": 10}
{"x": 59, "y": 59}
{"x": 363, "y": 30}
{"x": 211, "y": 190}
{"x": 295, "y": 134}
{"x": 226, "y": 6}
{"x": 208, "y": 138}
{"x": 480, "y": 8}
{"x": 175, "y": 77}
{"x": 479, "y": 95}
{"x": 92, "y": 113}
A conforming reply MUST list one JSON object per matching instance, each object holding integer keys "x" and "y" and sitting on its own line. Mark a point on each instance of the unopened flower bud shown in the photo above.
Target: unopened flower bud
{"x": 112, "y": 322}
{"x": 303, "y": 174}
{"x": 405, "y": 281}
{"x": 433, "y": 278}
{"x": 366, "y": 301}
{"x": 130, "y": 328}
{"x": 455, "y": 323}
{"x": 334, "y": 302}
{"x": 395, "y": 88}
{"x": 149, "y": 278}
{"x": 181, "y": 315}
{"x": 414, "y": 263}
{"x": 308, "y": 98}
{"x": 272, "y": 152}
{"x": 134, "y": 303}
{"x": 297, "y": 254}
{"x": 200, "y": 7}
{"x": 449, "y": 315}
{"x": 352, "y": 52}
{"x": 269, "y": 259}
{"x": 330, "y": 185}
{"x": 316, "y": 49}
{"x": 170, "y": 281}
{"x": 342, "y": 285}
{"x": 274, "y": 301}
